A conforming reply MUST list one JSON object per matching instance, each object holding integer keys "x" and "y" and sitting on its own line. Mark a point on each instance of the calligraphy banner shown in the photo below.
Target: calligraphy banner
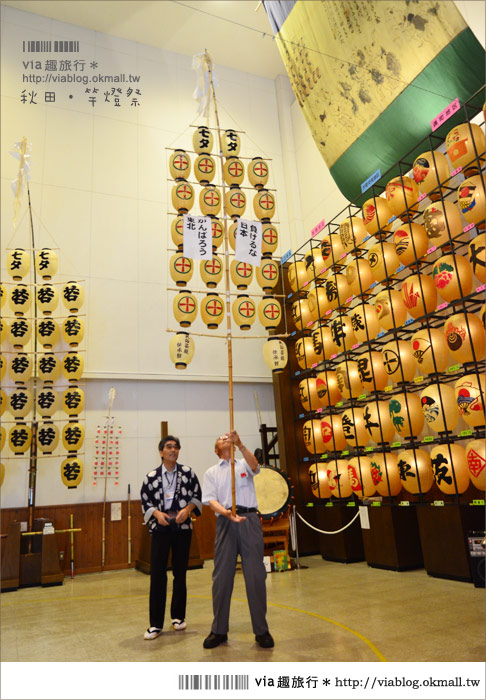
{"x": 197, "y": 237}
{"x": 370, "y": 76}
{"x": 249, "y": 242}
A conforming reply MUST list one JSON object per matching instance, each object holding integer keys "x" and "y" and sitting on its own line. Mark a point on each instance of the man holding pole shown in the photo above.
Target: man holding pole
{"x": 238, "y": 531}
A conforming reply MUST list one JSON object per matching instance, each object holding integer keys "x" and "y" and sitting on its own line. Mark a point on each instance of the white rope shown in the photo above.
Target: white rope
{"x": 325, "y": 532}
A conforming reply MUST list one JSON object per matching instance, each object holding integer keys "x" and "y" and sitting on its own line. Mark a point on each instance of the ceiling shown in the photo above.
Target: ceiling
{"x": 182, "y": 26}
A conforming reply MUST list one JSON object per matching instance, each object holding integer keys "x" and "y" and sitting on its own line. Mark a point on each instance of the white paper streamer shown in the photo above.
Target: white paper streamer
{"x": 197, "y": 237}
{"x": 249, "y": 242}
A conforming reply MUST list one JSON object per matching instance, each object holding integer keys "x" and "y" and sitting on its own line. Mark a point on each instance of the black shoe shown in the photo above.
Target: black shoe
{"x": 214, "y": 640}
{"x": 265, "y": 640}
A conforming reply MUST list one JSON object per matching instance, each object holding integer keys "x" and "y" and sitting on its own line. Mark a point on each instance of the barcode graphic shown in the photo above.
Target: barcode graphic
{"x": 200, "y": 682}
{"x": 46, "y": 46}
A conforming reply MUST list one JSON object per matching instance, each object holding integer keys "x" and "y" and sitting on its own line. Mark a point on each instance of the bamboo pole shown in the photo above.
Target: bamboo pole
{"x": 71, "y": 535}
{"x": 33, "y": 444}
{"x": 103, "y": 518}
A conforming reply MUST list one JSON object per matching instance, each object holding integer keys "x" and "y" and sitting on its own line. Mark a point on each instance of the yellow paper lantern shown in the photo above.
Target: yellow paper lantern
{"x": 471, "y": 199}
{"x": 406, "y": 414}
{"x": 419, "y": 295}
{"x": 73, "y": 398}
{"x": 465, "y": 145}
{"x": 179, "y": 165}
{"x": 352, "y": 231}
{"x": 244, "y": 311}
{"x": 2, "y": 473}
{"x": 411, "y": 242}
{"x": 315, "y": 265}
{"x": 477, "y": 256}
{"x": 359, "y": 276}
{"x": 464, "y": 334}
{"x": 297, "y": 275}
{"x": 19, "y": 332}
{"x": 3, "y": 330}
{"x": 319, "y": 481}
{"x": 72, "y": 366}
{"x": 332, "y": 249}
{"x": 211, "y": 271}
{"x": 430, "y": 350}
{"x": 364, "y": 322}
{"x": 48, "y": 367}
{"x": 177, "y": 231}
{"x": 267, "y": 274}
{"x": 338, "y": 292}
{"x": 269, "y": 238}
{"x": 354, "y": 428}
{"x": 72, "y": 296}
{"x": 3, "y": 367}
{"x": 439, "y": 407}
{"x": 372, "y": 371}
{"x": 20, "y": 299}
{"x": 181, "y": 269}
{"x": 47, "y": 402}
{"x": 442, "y": 222}
{"x": 383, "y": 260}
{"x": 384, "y": 468}
{"x": 73, "y": 330}
{"x": 377, "y": 421}
{"x": 18, "y": 263}
{"x": 269, "y": 313}
{"x": 338, "y": 479}
{"x": 361, "y": 477}
{"x": 20, "y": 368}
{"x": 449, "y": 465}
{"x": 399, "y": 361}
{"x": 401, "y": 194}
{"x": 235, "y": 201}
{"x": 182, "y": 196}
{"x": 258, "y": 172}
{"x": 20, "y": 438}
{"x": 47, "y": 298}
{"x": 264, "y": 205}
{"x": 3, "y": 402}
{"x": 233, "y": 171}
{"x": 301, "y": 314}
{"x": 327, "y": 388}
{"x": 307, "y": 352}
{"x": 20, "y": 402}
{"x": 72, "y": 436}
{"x": 342, "y": 333}
{"x": 317, "y": 302}
{"x": 230, "y": 143}
{"x": 415, "y": 470}
{"x": 204, "y": 169}
{"x": 210, "y": 201}
{"x": 376, "y": 215}
{"x": 308, "y": 394}
{"x": 47, "y": 437}
{"x": 185, "y": 308}
{"x": 232, "y": 234}
{"x": 348, "y": 379}
{"x": 72, "y": 471}
{"x": 324, "y": 435}
{"x": 3, "y": 295}
{"x": 217, "y": 231}
{"x": 452, "y": 276}
{"x": 470, "y": 391}
{"x": 181, "y": 350}
{"x": 48, "y": 332}
{"x": 430, "y": 169}
{"x": 241, "y": 274}
{"x": 476, "y": 463}
{"x": 390, "y": 309}
{"x": 202, "y": 140}
{"x": 212, "y": 310}
{"x": 323, "y": 343}
{"x": 275, "y": 355}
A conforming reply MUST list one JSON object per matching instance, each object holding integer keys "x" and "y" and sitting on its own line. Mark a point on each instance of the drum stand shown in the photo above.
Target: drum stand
{"x": 293, "y": 537}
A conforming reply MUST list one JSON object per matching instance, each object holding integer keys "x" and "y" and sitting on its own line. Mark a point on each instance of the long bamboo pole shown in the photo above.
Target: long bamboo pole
{"x": 33, "y": 444}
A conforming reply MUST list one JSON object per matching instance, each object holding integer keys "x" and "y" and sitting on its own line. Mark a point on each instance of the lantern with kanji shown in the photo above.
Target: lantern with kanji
{"x": 439, "y": 407}
{"x": 399, "y": 361}
{"x": 202, "y": 140}
{"x": 308, "y": 352}
{"x": 3, "y": 368}
{"x": 20, "y": 402}
{"x": 72, "y": 366}
{"x": 46, "y": 263}
{"x": 319, "y": 481}
{"x": 364, "y": 321}
{"x": 323, "y": 342}
{"x": 383, "y": 260}
{"x": 469, "y": 391}
{"x": 210, "y": 201}
{"x": 332, "y": 249}
{"x": 442, "y": 222}
{"x": 301, "y": 314}
{"x": 430, "y": 169}
{"x": 47, "y": 298}
{"x": 297, "y": 275}
{"x": 267, "y": 273}
{"x": 244, "y": 311}
{"x": 401, "y": 194}
{"x": 230, "y": 143}
{"x": 360, "y": 476}
{"x": 269, "y": 238}
{"x": 72, "y": 472}
{"x": 338, "y": 478}
{"x": 20, "y": 368}
{"x": 477, "y": 256}
{"x": 3, "y": 402}
{"x": 18, "y": 263}
{"x": 72, "y": 296}
{"x": 211, "y": 271}
{"x": 371, "y": 371}
{"x": 359, "y": 276}
{"x": 323, "y": 435}
{"x": 348, "y": 379}
{"x": 464, "y": 334}
{"x": 233, "y": 171}
{"x": 3, "y": 330}
{"x": 3, "y": 295}
{"x": 449, "y": 465}
{"x": 264, "y": 205}
{"x": 48, "y": 332}
{"x": 419, "y": 295}
{"x": 181, "y": 349}
{"x": 212, "y": 310}
{"x": 20, "y": 299}
{"x": 415, "y": 469}
{"x": 19, "y": 438}
{"x": 241, "y": 274}
{"x": 390, "y": 309}
{"x": 275, "y": 355}
{"x": 308, "y": 394}
{"x": 72, "y": 436}
{"x": 377, "y": 422}
{"x": 352, "y": 231}
{"x": 317, "y": 302}
{"x": 47, "y": 402}
{"x": 476, "y": 462}
{"x": 180, "y": 165}
{"x": 430, "y": 350}
{"x": 48, "y": 367}
{"x": 185, "y": 308}
{"x": 235, "y": 201}
{"x": 354, "y": 427}
{"x": 315, "y": 265}
{"x": 204, "y": 169}
{"x": 258, "y": 172}
{"x": 73, "y": 400}
{"x": 47, "y": 437}
{"x": 181, "y": 269}
{"x": 18, "y": 332}
{"x": 411, "y": 242}
{"x": 452, "y": 276}
{"x": 342, "y": 333}
{"x": 269, "y": 313}
{"x": 471, "y": 199}
{"x": 327, "y": 388}
{"x": 337, "y": 291}
{"x": 465, "y": 145}
{"x": 384, "y": 468}
{"x": 182, "y": 197}
{"x": 376, "y": 216}
{"x": 406, "y": 414}
{"x": 73, "y": 330}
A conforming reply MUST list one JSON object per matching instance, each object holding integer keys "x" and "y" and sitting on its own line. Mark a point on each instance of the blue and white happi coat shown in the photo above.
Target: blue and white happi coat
{"x": 187, "y": 490}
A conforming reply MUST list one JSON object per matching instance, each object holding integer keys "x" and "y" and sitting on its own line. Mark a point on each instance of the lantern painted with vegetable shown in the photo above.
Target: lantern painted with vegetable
{"x": 452, "y": 276}
{"x": 384, "y": 468}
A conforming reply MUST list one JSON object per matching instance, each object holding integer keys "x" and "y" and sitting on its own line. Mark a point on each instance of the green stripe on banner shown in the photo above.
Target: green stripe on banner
{"x": 457, "y": 71}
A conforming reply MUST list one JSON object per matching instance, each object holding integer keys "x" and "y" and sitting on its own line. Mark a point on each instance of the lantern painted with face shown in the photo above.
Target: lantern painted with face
{"x": 477, "y": 256}
{"x": 348, "y": 379}
{"x": 415, "y": 469}
{"x": 47, "y": 437}
{"x": 399, "y": 361}
{"x": 180, "y": 165}
{"x": 376, "y": 215}
{"x": 411, "y": 242}
{"x": 47, "y": 298}
{"x": 204, "y": 169}
{"x": 19, "y": 332}
{"x": 20, "y": 402}
{"x": 269, "y": 238}
{"x": 269, "y": 313}
{"x": 301, "y": 314}
{"x": 452, "y": 276}
{"x": 47, "y": 402}
{"x": 430, "y": 350}
{"x": 20, "y": 438}
{"x": 185, "y": 308}
{"x": 390, "y": 309}
{"x": 359, "y": 276}
{"x": 241, "y": 274}
{"x": 360, "y": 476}
{"x": 258, "y": 172}
{"x": 338, "y": 478}
{"x": 72, "y": 296}
{"x": 275, "y": 354}
{"x": 419, "y": 295}
{"x": 354, "y": 427}
{"x": 401, "y": 194}
{"x": 244, "y": 311}
{"x": 430, "y": 169}
{"x": 308, "y": 394}
{"x": 20, "y": 299}
{"x": 372, "y": 371}
{"x": 449, "y": 465}
{"x": 72, "y": 471}
{"x": 470, "y": 391}
{"x": 18, "y": 263}
{"x": 464, "y": 334}
{"x": 327, "y": 388}
{"x": 182, "y": 196}
{"x": 352, "y": 231}
{"x": 465, "y": 146}
{"x": 202, "y": 140}
{"x": 212, "y": 310}
{"x": 307, "y": 352}
{"x": 442, "y": 222}
{"x": 406, "y": 414}
{"x": 439, "y": 407}
{"x": 48, "y": 332}
{"x": 383, "y": 260}
{"x": 319, "y": 481}
{"x": 476, "y": 463}
{"x": 20, "y": 368}
{"x": 297, "y": 275}
{"x": 72, "y": 436}
{"x": 267, "y": 274}
{"x": 364, "y": 321}
{"x": 264, "y": 205}
{"x": 471, "y": 199}
{"x": 377, "y": 421}
{"x": 384, "y": 469}
{"x": 73, "y": 397}
{"x": 48, "y": 367}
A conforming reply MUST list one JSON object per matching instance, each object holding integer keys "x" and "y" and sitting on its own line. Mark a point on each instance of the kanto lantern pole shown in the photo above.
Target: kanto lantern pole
{"x": 208, "y": 61}
{"x": 103, "y": 519}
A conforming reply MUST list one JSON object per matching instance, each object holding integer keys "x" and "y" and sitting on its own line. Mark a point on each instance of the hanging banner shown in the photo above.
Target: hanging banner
{"x": 249, "y": 242}
{"x": 197, "y": 237}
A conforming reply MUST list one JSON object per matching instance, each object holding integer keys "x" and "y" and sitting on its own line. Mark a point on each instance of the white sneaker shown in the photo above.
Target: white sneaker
{"x": 179, "y": 624}
{"x": 152, "y": 632}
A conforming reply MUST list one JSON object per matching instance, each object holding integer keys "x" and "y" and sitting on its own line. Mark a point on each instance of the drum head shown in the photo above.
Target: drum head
{"x": 272, "y": 491}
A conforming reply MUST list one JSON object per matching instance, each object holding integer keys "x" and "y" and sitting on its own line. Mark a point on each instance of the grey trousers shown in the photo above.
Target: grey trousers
{"x": 245, "y": 539}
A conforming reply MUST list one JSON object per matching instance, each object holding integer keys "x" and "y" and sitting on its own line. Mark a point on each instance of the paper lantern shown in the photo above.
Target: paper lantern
{"x": 204, "y": 169}
{"x": 430, "y": 169}
{"x": 415, "y": 471}
{"x": 264, "y": 205}
{"x": 449, "y": 465}
{"x": 411, "y": 242}
{"x": 20, "y": 438}
{"x": 3, "y": 330}
{"x": 72, "y": 436}
{"x": 2, "y": 473}
{"x": 471, "y": 199}
{"x": 352, "y": 231}
{"x": 332, "y": 249}
{"x": 342, "y": 333}
{"x": 20, "y": 368}
{"x": 47, "y": 437}
{"x": 442, "y": 222}
{"x": 372, "y": 371}
{"x": 3, "y": 402}
{"x": 230, "y": 143}
{"x": 406, "y": 414}
{"x": 185, "y": 308}
{"x": 338, "y": 479}
{"x": 182, "y": 196}
{"x": 217, "y": 231}
{"x": 235, "y": 201}
{"x": 18, "y": 263}
{"x": 48, "y": 367}
{"x": 390, "y": 309}
{"x": 181, "y": 351}
{"x": 338, "y": 291}
{"x": 452, "y": 276}
{"x": 20, "y": 402}
{"x": 360, "y": 476}
{"x": 383, "y": 260}
{"x": 232, "y": 234}
{"x": 315, "y": 265}
{"x": 319, "y": 481}
{"x": 72, "y": 366}
{"x": 211, "y": 271}
{"x": 359, "y": 276}
{"x": 327, "y": 388}
{"x": 73, "y": 397}
{"x": 464, "y": 334}
{"x": 439, "y": 407}
{"x": 377, "y": 421}
{"x": 477, "y": 256}
{"x": 317, "y": 302}
{"x": 3, "y": 368}
{"x": 177, "y": 231}
{"x": 384, "y": 469}
{"x": 48, "y": 332}
{"x": 376, "y": 215}
{"x": 308, "y": 352}
{"x": 476, "y": 463}
{"x": 470, "y": 391}
{"x": 233, "y": 171}
{"x": 3, "y": 435}
{"x": 47, "y": 402}
{"x": 275, "y": 355}
{"x": 181, "y": 269}
{"x": 324, "y": 435}
{"x": 348, "y": 379}
{"x": 72, "y": 472}
{"x": 20, "y": 299}
{"x": 3, "y": 295}
{"x": 267, "y": 273}
{"x": 210, "y": 201}
{"x": 297, "y": 275}
{"x": 354, "y": 428}
{"x": 419, "y": 295}
{"x": 323, "y": 342}
{"x": 269, "y": 313}
{"x": 202, "y": 140}
{"x": 258, "y": 172}
{"x": 465, "y": 146}
{"x": 308, "y": 394}
{"x": 430, "y": 350}
{"x": 399, "y": 361}
{"x": 19, "y": 332}
{"x": 72, "y": 296}
{"x": 364, "y": 322}
{"x": 241, "y": 274}
{"x": 212, "y": 310}
{"x": 47, "y": 298}
{"x": 179, "y": 165}
{"x": 244, "y": 311}
{"x": 401, "y": 194}
{"x": 269, "y": 238}
{"x": 73, "y": 330}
